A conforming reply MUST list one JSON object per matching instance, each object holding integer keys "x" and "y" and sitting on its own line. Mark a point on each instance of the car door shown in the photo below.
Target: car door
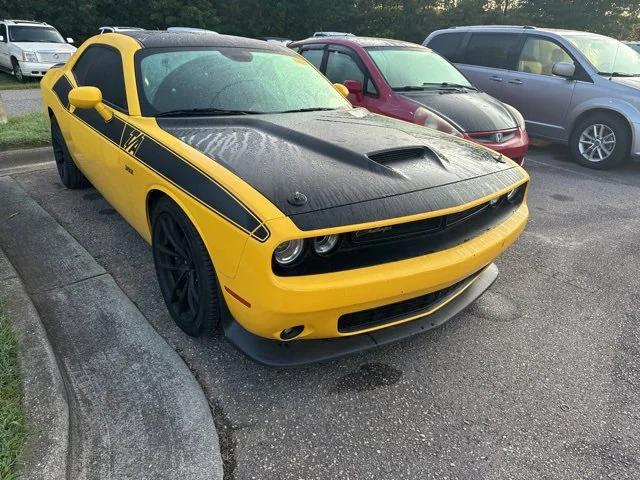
{"x": 541, "y": 97}
{"x": 489, "y": 59}
{"x": 94, "y": 143}
{"x": 343, "y": 64}
{"x": 4, "y": 48}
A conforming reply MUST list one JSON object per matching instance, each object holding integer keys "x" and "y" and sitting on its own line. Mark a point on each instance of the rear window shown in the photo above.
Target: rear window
{"x": 448, "y": 45}
{"x": 494, "y": 50}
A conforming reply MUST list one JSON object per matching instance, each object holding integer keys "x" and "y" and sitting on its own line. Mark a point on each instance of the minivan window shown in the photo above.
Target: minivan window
{"x": 405, "y": 68}
{"x": 608, "y": 56}
{"x": 539, "y": 55}
{"x": 448, "y": 45}
{"x": 492, "y": 50}
{"x": 34, "y": 34}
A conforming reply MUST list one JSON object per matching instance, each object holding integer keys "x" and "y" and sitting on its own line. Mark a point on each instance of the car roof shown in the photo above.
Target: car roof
{"x": 164, "y": 39}
{"x": 364, "y": 42}
{"x": 32, "y": 23}
{"x": 516, "y": 28}
{"x": 119, "y": 28}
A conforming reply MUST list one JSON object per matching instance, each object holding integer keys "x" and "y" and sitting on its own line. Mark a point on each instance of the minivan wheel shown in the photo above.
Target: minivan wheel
{"x": 600, "y": 141}
{"x": 185, "y": 272}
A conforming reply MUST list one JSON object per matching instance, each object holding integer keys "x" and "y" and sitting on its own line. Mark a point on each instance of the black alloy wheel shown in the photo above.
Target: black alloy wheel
{"x": 70, "y": 176}
{"x": 185, "y": 272}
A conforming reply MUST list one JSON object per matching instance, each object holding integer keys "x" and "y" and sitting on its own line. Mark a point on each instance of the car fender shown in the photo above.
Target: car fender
{"x": 622, "y": 107}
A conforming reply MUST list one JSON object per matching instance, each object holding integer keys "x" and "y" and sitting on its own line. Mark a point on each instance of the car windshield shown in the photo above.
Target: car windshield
{"x": 228, "y": 80}
{"x": 416, "y": 68}
{"x": 34, "y": 34}
{"x": 608, "y": 56}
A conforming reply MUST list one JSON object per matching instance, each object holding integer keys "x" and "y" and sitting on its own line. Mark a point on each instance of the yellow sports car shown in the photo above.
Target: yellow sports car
{"x": 306, "y": 227}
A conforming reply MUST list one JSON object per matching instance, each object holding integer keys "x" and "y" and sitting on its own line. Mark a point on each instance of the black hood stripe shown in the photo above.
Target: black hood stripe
{"x": 169, "y": 165}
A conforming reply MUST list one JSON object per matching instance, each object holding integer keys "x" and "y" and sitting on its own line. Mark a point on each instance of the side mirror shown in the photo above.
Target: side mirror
{"x": 87, "y": 98}
{"x": 344, "y": 91}
{"x": 69, "y": 40}
{"x": 1, "y": 38}
{"x": 563, "y": 69}
{"x": 354, "y": 87}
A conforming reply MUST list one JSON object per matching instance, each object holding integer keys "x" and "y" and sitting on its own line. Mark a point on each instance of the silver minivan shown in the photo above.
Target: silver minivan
{"x": 573, "y": 87}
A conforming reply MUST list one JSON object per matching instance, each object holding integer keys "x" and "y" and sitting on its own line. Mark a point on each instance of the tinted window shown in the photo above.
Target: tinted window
{"x": 342, "y": 66}
{"x": 314, "y": 56}
{"x": 257, "y": 81}
{"x": 101, "y": 67}
{"x": 538, "y": 56}
{"x": 491, "y": 49}
{"x": 448, "y": 45}
{"x": 3, "y": 32}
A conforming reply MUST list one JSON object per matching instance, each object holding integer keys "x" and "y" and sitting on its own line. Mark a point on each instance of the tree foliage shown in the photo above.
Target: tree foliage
{"x": 405, "y": 19}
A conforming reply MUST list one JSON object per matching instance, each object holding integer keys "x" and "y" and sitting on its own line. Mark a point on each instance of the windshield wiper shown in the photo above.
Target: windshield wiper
{"x": 204, "y": 111}
{"x": 409, "y": 88}
{"x": 311, "y": 109}
{"x": 451, "y": 85}
{"x": 618, "y": 74}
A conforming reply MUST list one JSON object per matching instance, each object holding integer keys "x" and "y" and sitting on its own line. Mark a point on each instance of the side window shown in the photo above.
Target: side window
{"x": 314, "y": 56}
{"x": 3, "y": 32}
{"x": 448, "y": 45}
{"x": 101, "y": 66}
{"x": 538, "y": 56}
{"x": 342, "y": 66}
{"x": 492, "y": 50}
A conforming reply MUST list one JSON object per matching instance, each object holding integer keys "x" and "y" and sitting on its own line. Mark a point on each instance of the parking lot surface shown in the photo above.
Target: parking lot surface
{"x": 539, "y": 379}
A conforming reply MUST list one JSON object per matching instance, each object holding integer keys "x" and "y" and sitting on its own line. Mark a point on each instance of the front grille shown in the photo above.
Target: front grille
{"x": 53, "y": 57}
{"x": 494, "y": 137}
{"x": 375, "y": 317}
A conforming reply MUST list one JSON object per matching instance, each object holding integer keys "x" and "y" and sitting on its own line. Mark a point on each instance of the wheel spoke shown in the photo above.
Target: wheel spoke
{"x": 192, "y": 299}
{"x": 176, "y": 288}
{"x": 177, "y": 268}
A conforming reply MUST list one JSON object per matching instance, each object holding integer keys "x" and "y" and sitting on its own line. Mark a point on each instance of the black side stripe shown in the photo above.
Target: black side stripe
{"x": 169, "y": 165}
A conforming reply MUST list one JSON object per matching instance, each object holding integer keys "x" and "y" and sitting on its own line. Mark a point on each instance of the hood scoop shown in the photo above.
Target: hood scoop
{"x": 397, "y": 156}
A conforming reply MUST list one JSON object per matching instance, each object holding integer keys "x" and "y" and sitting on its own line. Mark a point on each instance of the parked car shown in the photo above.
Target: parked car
{"x": 29, "y": 48}
{"x": 413, "y": 83}
{"x": 571, "y": 87}
{"x": 272, "y": 205}
{"x": 634, "y": 45}
{"x": 113, "y": 29}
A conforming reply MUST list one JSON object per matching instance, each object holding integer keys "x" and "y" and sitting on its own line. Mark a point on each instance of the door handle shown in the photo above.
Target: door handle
{"x": 516, "y": 82}
{"x": 496, "y": 79}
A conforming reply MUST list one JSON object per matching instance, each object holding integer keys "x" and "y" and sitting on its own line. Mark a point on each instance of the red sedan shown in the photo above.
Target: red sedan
{"x": 413, "y": 83}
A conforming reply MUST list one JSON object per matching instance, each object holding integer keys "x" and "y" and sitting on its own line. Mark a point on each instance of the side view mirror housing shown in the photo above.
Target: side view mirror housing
{"x": 87, "y": 98}
{"x": 344, "y": 91}
{"x": 354, "y": 87}
{"x": 563, "y": 69}
{"x": 69, "y": 40}
{"x": 1, "y": 38}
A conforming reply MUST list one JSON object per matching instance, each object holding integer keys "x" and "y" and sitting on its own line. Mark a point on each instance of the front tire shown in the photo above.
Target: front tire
{"x": 185, "y": 272}
{"x": 600, "y": 141}
{"x": 70, "y": 176}
{"x": 17, "y": 71}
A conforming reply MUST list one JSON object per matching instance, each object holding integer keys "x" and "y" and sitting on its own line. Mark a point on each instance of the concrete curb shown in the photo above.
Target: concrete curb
{"x": 25, "y": 160}
{"x": 44, "y": 396}
{"x": 135, "y": 409}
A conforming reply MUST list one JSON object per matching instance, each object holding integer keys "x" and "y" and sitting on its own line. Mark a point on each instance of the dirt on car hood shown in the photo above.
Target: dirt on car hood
{"x": 342, "y": 167}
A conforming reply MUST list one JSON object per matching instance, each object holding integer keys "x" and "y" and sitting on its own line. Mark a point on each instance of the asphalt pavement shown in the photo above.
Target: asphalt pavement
{"x": 539, "y": 379}
{"x": 22, "y": 102}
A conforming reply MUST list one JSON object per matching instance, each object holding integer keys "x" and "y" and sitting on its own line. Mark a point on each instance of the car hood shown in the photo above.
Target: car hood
{"x": 45, "y": 47}
{"x": 471, "y": 111}
{"x": 633, "y": 82}
{"x": 350, "y": 166}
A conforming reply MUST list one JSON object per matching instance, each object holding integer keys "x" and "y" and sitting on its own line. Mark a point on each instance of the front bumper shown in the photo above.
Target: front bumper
{"x": 276, "y": 353}
{"x": 515, "y": 148}
{"x": 272, "y": 304}
{"x": 33, "y": 69}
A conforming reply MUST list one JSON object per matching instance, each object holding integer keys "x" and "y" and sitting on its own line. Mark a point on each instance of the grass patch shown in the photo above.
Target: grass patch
{"x": 26, "y": 131}
{"x": 9, "y": 82}
{"x": 12, "y": 423}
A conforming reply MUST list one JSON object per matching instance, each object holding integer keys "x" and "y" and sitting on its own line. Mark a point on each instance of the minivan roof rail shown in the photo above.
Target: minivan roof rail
{"x": 528, "y": 27}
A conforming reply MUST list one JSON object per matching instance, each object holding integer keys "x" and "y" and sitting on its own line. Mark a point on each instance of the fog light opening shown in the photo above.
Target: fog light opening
{"x": 291, "y": 333}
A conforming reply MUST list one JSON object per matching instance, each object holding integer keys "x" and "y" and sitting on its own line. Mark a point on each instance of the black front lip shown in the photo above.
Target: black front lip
{"x": 274, "y": 353}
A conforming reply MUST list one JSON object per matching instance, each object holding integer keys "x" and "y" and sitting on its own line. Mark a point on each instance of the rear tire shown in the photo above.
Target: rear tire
{"x": 600, "y": 141}
{"x": 185, "y": 272}
{"x": 70, "y": 176}
{"x": 17, "y": 71}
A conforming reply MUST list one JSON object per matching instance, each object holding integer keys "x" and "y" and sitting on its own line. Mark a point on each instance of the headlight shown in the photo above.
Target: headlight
{"x": 325, "y": 245}
{"x": 288, "y": 252}
{"x": 517, "y": 116}
{"x": 424, "y": 117}
{"x": 29, "y": 57}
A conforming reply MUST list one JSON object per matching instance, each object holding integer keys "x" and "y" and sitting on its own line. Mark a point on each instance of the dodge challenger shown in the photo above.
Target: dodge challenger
{"x": 305, "y": 227}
